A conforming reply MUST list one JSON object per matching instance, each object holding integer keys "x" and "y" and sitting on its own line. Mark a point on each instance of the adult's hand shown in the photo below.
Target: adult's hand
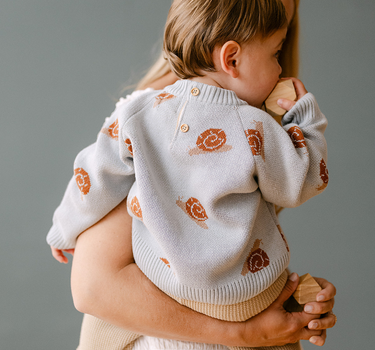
{"x": 323, "y": 307}
{"x": 275, "y": 326}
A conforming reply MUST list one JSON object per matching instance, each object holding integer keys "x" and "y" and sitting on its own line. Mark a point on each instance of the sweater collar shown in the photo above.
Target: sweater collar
{"x": 204, "y": 92}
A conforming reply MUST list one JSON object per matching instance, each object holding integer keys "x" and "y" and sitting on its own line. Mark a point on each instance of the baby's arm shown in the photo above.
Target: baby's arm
{"x": 103, "y": 175}
{"x": 290, "y": 161}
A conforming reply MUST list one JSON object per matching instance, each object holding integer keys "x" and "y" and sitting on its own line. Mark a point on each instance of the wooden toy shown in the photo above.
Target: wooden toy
{"x": 283, "y": 89}
{"x": 306, "y": 292}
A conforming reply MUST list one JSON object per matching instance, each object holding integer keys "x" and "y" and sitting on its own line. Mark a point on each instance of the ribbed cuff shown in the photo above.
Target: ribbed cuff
{"x": 55, "y": 239}
{"x": 302, "y": 112}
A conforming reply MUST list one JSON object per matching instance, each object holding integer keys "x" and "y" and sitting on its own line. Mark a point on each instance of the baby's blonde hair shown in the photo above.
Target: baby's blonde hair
{"x": 289, "y": 58}
{"x": 195, "y": 27}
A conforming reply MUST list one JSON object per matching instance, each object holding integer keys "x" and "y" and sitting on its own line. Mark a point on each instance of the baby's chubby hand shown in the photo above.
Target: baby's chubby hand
{"x": 300, "y": 91}
{"x": 58, "y": 254}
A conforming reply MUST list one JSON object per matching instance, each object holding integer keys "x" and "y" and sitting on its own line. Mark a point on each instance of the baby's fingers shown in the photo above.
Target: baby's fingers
{"x": 299, "y": 87}
{"x": 59, "y": 255}
{"x": 69, "y": 251}
{"x": 285, "y": 104}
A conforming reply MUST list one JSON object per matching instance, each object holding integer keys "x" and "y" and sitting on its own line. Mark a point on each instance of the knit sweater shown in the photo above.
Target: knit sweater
{"x": 202, "y": 171}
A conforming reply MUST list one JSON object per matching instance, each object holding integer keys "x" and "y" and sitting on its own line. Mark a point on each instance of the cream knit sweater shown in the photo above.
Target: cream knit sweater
{"x": 202, "y": 171}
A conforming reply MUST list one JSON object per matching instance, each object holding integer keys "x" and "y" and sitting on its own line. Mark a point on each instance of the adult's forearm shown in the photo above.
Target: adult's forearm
{"x": 107, "y": 284}
{"x": 134, "y": 303}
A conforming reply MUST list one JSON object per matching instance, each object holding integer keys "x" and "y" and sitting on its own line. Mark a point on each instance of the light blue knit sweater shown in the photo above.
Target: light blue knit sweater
{"x": 202, "y": 171}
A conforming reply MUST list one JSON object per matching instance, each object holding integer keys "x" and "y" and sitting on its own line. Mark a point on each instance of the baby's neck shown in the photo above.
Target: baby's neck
{"x": 207, "y": 79}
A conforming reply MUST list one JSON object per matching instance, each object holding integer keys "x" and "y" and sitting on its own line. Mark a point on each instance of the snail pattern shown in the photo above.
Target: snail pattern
{"x": 135, "y": 208}
{"x": 163, "y": 97}
{"x": 323, "y": 175}
{"x": 129, "y": 146}
{"x": 112, "y": 130}
{"x": 166, "y": 262}
{"x": 255, "y": 141}
{"x": 82, "y": 180}
{"x": 257, "y": 259}
{"x": 255, "y": 137}
{"x": 296, "y": 136}
{"x": 211, "y": 140}
{"x": 194, "y": 209}
{"x": 283, "y": 237}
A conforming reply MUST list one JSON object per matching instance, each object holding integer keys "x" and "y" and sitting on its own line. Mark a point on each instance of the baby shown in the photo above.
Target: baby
{"x": 203, "y": 166}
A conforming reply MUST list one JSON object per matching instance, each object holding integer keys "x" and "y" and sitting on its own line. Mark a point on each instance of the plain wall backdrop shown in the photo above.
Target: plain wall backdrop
{"x": 62, "y": 67}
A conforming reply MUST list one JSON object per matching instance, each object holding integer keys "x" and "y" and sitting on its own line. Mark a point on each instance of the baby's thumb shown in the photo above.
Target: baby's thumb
{"x": 285, "y": 104}
{"x": 289, "y": 289}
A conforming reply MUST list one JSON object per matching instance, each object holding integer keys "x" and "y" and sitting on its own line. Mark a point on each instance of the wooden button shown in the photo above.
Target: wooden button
{"x": 195, "y": 91}
{"x": 184, "y": 128}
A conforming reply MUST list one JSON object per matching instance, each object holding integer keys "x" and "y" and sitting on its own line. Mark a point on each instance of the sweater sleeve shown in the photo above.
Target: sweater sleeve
{"x": 103, "y": 175}
{"x": 290, "y": 161}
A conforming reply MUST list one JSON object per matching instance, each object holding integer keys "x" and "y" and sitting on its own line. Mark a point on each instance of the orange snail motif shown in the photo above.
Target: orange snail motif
{"x": 211, "y": 140}
{"x": 297, "y": 137}
{"x": 166, "y": 262}
{"x": 195, "y": 209}
{"x": 135, "y": 207}
{"x": 255, "y": 139}
{"x": 129, "y": 146}
{"x": 83, "y": 180}
{"x": 323, "y": 175}
{"x": 283, "y": 237}
{"x": 257, "y": 259}
{"x": 113, "y": 130}
{"x": 164, "y": 96}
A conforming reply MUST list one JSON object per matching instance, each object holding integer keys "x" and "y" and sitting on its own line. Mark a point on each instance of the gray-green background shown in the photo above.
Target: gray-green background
{"x": 62, "y": 67}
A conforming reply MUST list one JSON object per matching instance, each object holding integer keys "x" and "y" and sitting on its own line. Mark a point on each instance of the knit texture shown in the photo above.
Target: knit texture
{"x": 241, "y": 311}
{"x": 202, "y": 173}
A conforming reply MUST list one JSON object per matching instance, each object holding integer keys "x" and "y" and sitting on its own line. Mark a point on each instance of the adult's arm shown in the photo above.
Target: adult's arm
{"x": 107, "y": 284}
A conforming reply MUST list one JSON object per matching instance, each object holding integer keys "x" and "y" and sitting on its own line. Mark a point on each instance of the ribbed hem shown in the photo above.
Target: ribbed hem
{"x": 207, "y": 93}
{"x": 295, "y": 346}
{"x": 235, "y": 292}
{"x": 241, "y": 311}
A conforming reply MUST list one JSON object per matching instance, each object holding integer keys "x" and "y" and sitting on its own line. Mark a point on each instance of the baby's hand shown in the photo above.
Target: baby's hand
{"x": 59, "y": 255}
{"x": 300, "y": 91}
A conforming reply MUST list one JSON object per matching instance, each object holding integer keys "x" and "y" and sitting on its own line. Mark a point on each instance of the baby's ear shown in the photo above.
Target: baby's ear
{"x": 229, "y": 58}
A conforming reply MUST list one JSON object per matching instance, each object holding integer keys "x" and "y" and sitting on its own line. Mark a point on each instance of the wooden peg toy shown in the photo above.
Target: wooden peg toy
{"x": 306, "y": 292}
{"x": 283, "y": 89}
